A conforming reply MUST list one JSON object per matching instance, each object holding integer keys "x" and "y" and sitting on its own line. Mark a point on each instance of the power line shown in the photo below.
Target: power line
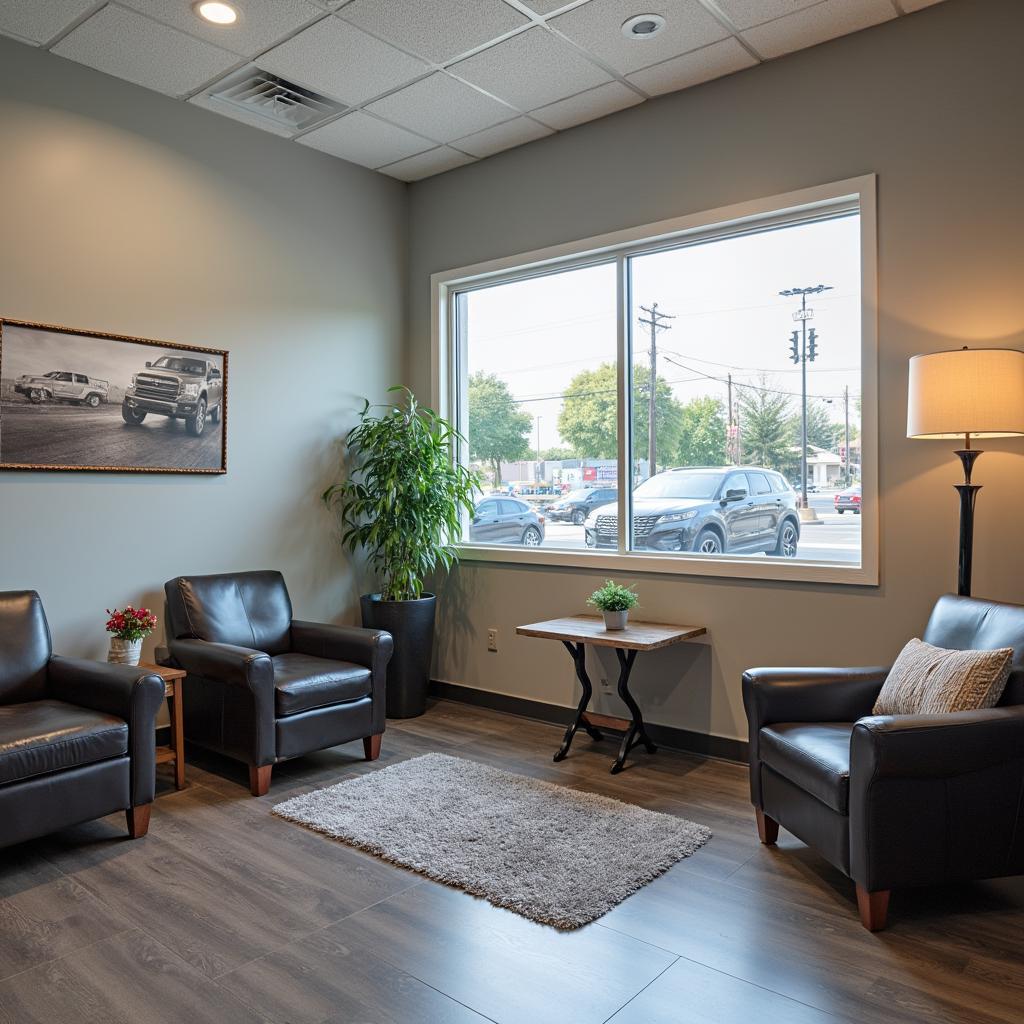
{"x": 742, "y": 384}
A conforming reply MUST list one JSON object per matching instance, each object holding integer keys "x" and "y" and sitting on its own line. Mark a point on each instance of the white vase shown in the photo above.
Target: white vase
{"x": 616, "y": 620}
{"x": 124, "y": 652}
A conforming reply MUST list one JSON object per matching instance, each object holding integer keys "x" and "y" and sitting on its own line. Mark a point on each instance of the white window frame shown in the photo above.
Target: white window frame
{"x": 449, "y": 391}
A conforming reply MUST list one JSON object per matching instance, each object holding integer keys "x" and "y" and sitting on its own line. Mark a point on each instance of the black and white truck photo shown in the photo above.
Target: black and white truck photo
{"x": 79, "y": 400}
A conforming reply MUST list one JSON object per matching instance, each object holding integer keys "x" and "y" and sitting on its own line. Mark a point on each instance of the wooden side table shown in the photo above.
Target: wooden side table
{"x": 175, "y": 753}
{"x": 575, "y": 632}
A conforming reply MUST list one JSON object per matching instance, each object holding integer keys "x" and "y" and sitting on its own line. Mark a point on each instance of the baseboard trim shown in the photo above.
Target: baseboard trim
{"x": 669, "y": 736}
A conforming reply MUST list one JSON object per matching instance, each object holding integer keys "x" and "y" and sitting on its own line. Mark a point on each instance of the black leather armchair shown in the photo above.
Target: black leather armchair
{"x": 263, "y": 687}
{"x": 77, "y": 738}
{"x": 895, "y": 800}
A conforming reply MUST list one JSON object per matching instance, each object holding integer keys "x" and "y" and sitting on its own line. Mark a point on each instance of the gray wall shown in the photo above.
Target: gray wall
{"x": 127, "y": 212}
{"x": 930, "y": 103}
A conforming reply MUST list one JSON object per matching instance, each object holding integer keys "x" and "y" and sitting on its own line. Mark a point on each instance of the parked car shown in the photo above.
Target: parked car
{"x": 183, "y": 387}
{"x": 812, "y": 487}
{"x": 848, "y": 500}
{"x": 710, "y": 510}
{"x": 63, "y": 386}
{"x": 506, "y": 521}
{"x": 575, "y": 506}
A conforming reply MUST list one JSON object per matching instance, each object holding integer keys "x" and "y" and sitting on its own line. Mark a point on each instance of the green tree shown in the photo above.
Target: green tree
{"x": 822, "y": 432}
{"x": 588, "y": 420}
{"x": 498, "y": 431}
{"x": 765, "y": 430}
{"x": 703, "y": 433}
{"x": 557, "y": 454}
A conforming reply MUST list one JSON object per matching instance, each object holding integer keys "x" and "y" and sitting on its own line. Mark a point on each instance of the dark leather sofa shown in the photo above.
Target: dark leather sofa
{"x": 263, "y": 687}
{"x": 895, "y": 800}
{"x": 77, "y": 738}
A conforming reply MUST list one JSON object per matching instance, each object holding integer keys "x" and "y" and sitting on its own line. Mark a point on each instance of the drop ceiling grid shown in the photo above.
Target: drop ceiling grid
{"x": 420, "y": 50}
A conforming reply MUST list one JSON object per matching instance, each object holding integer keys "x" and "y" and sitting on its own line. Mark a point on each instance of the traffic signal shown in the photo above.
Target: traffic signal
{"x": 812, "y": 345}
{"x": 794, "y": 341}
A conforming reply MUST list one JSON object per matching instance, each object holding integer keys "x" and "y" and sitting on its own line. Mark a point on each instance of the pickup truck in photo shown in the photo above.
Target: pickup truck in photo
{"x": 185, "y": 388}
{"x": 62, "y": 386}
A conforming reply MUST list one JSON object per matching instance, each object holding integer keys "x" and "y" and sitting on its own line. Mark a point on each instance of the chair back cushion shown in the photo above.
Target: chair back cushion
{"x": 248, "y": 609}
{"x": 24, "y": 647}
{"x": 971, "y": 624}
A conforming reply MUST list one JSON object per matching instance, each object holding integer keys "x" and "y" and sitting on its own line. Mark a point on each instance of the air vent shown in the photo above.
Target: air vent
{"x": 261, "y": 93}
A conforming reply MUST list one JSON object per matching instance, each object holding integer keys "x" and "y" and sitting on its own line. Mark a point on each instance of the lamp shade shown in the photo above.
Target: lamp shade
{"x": 976, "y": 391}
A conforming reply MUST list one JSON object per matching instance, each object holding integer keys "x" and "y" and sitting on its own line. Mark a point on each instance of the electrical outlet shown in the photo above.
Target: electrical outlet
{"x": 492, "y": 639}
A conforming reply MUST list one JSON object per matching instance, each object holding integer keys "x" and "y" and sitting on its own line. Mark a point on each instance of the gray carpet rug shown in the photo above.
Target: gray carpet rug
{"x": 552, "y": 854}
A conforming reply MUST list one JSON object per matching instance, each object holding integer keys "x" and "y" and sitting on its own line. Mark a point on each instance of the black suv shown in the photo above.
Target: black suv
{"x": 708, "y": 509}
{"x": 575, "y": 506}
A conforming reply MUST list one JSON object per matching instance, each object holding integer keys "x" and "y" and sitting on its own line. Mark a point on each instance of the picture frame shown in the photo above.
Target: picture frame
{"x": 93, "y": 401}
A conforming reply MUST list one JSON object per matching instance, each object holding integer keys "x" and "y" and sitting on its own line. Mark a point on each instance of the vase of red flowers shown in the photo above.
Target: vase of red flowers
{"x": 128, "y": 628}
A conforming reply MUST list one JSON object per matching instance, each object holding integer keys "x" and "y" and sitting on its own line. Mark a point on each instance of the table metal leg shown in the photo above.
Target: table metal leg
{"x": 636, "y": 732}
{"x": 578, "y": 654}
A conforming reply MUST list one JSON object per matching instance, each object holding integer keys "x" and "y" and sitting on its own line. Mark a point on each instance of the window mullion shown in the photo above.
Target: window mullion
{"x": 624, "y": 475}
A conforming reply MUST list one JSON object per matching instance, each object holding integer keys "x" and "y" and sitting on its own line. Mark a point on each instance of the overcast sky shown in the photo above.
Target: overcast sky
{"x": 28, "y": 350}
{"x": 539, "y": 333}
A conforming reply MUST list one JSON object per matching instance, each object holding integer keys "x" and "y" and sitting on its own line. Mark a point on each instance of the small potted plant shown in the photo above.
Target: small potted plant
{"x": 128, "y": 628}
{"x": 614, "y": 600}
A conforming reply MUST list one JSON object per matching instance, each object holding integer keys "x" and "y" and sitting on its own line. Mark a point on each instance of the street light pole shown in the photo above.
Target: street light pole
{"x": 652, "y": 395}
{"x": 803, "y": 356}
{"x": 846, "y": 417}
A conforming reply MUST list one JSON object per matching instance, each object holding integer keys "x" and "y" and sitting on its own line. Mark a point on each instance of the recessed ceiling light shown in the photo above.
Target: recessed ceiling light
{"x": 643, "y": 26}
{"x": 216, "y": 12}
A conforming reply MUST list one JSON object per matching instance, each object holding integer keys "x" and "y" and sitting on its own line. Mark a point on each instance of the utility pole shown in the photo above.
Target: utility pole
{"x": 803, "y": 356}
{"x": 846, "y": 417}
{"x": 655, "y": 325}
{"x": 730, "y": 434}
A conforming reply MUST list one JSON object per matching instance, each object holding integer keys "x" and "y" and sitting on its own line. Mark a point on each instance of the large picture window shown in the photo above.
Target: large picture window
{"x": 695, "y": 396}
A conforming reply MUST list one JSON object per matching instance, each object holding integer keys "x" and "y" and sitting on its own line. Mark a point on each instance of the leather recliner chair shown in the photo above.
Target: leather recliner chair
{"x": 263, "y": 687}
{"x": 77, "y": 738}
{"x": 894, "y": 800}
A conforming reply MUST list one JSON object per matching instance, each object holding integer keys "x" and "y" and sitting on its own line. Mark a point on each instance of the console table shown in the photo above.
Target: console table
{"x": 575, "y": 632}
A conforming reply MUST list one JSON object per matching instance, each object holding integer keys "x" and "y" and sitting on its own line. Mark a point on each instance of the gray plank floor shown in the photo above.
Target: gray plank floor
{"x": 225, "y": 913}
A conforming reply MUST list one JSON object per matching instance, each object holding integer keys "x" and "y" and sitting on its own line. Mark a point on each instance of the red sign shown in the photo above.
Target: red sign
{"x": 589, "y": 472}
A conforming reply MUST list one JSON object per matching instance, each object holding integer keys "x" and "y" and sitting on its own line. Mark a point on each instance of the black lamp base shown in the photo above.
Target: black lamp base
{"x": 968, "y": 495}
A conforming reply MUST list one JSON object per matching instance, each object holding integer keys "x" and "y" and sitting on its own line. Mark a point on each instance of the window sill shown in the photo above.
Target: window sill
{"x": 728, "y": 567}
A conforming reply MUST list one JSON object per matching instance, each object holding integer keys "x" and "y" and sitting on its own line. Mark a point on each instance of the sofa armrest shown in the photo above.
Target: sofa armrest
{"x": 241, "y": 666}
{"x": 369, "y": 647}
{"x": 935, "y": 746}
{"x": 126, "y": 691}
{"x": 936, "y": 798}
{"x": 809, "y": 694}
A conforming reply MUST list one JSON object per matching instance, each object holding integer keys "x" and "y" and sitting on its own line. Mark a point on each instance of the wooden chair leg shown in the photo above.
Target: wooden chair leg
{"x": 873, "y": 907}
{"x": 138, "y": 820}
{"x": 767, "y": 828}
{"x": 259, "y": 779}
{"x": 371, "y": 747}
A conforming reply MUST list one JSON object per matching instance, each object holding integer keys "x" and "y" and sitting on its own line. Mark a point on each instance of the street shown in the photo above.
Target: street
{"x": 835, "y": 539}
{"x": 68, "y": 435}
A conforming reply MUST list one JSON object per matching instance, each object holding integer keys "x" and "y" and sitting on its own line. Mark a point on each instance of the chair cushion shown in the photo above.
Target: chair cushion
{"x": 929, "y": 680}
{"x": 814, "y": 756}
{"x": 303, "y": 682}
{"x": 42, "y": 736}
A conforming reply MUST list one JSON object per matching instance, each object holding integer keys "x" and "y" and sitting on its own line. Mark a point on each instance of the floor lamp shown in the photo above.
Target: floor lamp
{"x": 970, "y": 393}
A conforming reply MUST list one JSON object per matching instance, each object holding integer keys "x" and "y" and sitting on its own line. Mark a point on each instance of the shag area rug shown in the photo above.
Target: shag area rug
{"x": 552, "y": 854}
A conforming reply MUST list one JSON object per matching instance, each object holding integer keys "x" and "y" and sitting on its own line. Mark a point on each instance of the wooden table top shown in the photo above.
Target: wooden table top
{"x": 166, "y": 673}
{"x": 589, "y": 629}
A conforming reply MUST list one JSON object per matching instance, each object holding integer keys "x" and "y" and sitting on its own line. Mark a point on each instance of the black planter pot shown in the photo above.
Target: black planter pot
{"x": 411, "y": 624}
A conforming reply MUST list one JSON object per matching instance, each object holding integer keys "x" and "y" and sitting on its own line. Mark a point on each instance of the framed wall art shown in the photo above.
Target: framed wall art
{"x": 87, "y": 400}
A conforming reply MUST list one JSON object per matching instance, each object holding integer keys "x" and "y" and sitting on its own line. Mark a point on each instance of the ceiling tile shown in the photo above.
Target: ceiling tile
{"x": 546, "y": 6}
{"x": 435, "y": 161}
{"x": 261, "y": 23}
{"x": 209, "y": 103}
{"x": 817, "y": 24}
{"x": 38, "y": 21}
{"x": 917, "y": 5}
{"x": 340, "y": 60}
{"x": 502, "y": 136}
{"x": 747, "y": 13}
{"x": 126, "y": 44}
{"x": 531, "y": 69}
{"x": 442, "y": 108}
{"x": 439, "y": 30}
{"x": 605, "y": 99}
{"x": 365, "y": 140}
{"x": 721, "y": 58}
{"x": 597, "y": 27}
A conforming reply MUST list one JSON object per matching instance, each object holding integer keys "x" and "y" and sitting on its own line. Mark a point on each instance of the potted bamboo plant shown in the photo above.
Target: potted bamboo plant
{"x": 402, "y": 501}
